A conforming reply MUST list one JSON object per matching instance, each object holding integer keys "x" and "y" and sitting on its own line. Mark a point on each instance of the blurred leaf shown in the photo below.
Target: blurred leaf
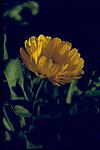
{"x": 14, "y": 73}
{"x": 7, "y": 136}
{"x": 95, "y": 93}
{"x": 22, "y": 135}
{"x": 21, "y": 111}
{"x": 93, "y": 88}
{"x": 31, "y": 127}
{"x": 22, "y": 121}
{"x": 33, "y": 146}
{"x": 33, "y": 6}
{"x": 97, "y": 84}
{"x": 5, "y": 54}
{"x": 7, "y": 123}
{"x": 77, "y": 91}
{"x": 15, "y": 12}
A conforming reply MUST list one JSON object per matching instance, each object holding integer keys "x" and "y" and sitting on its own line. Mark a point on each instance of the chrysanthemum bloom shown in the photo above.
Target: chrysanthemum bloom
{"x": 53, "y": 59}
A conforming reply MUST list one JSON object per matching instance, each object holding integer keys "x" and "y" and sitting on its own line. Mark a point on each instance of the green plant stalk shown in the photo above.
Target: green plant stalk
{"x": 5, "y": 54}
{"x": 71, "y": 91}
{"x": 39, "y": 89}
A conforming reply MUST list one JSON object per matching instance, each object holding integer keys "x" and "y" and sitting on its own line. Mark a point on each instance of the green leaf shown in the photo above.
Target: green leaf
{"x": 14, "y": 73}
{"x": 5, "y": 54}
{"x": 22, "y": 121}
{"x": 7, "y": 123}
{"x": 15, "y": 12}
{"x": 97, "y": 84}
{"x": 33, "y": 146}
{"x": 33, "y": 6}
{"x": 95, "y": 93}
{"x": 21, "y": 111}
{"x": 7, "y": 136}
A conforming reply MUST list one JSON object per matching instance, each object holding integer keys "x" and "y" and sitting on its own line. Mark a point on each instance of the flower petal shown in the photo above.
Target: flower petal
{"x": 51, "y": 48}
{"x": 63, "y": 69}
{"x": 61, "y": 54}
{"x": 47, "y": 68}
{"x": 35, "y": 55}
{"x": 42, "y": 65}
{"x": 27, "y": 60}
{"x": 65, "y": 48}
{"x": 54, "y": 70}
{"x": 31, "y": 45}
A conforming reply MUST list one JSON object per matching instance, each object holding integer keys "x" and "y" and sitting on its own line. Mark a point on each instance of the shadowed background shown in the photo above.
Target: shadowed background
{"x": 78, "y": 23}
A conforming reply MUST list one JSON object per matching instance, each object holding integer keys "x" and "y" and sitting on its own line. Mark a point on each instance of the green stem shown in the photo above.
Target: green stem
{"x": 5, "y": 54}
{"x": 39, "y": 89}
{"x": 70, "y": 92}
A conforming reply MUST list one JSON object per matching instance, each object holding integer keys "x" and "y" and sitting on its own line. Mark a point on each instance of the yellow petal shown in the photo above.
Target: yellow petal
{"x": 30, "y": 45}
{"x": 66, "y": 47}
{"x": 47, "y": 50}
{"x": 35, "y": 55}
{"x": 51, "y": 48}
{"x": 41, "y": 38}
{"x": 32, "y": 39}
{"x": 65, "y": 79}
{"x": 33, "y": 42}
{"x": 56, "y": 42}
{"x": 42, "y": 65}
{"x": 62, "y": 51}
{"x": 72, "y": 52}
{"x": 54, "y": 70}
{"x": 63, "y": 69}
{"x": 27, "y": 60}
{"x": 75, "y": 59}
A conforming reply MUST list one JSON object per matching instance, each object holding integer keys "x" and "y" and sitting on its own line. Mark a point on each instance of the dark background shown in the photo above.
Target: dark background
{"x": 79, "y": 23}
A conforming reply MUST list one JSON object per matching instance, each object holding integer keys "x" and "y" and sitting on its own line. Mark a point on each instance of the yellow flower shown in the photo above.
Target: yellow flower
{"x": 53, "y": 59}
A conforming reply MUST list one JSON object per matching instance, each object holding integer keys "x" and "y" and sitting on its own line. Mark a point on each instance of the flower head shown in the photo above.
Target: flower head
{"x": 53, "y": 59}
